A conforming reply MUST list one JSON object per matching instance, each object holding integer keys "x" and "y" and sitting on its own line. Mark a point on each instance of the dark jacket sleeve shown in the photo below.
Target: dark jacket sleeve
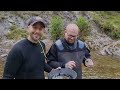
{"x": 53, "y": 59}
{"x": 13, "y": 63}
{"x": 87, "y": 54}
{"x": 47, "y": 68}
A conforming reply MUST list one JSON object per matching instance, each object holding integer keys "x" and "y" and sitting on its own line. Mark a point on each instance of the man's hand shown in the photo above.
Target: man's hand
{"x": 57, "y": 68}
{"x": 88, "y": 63}
{"x": 70, "y": 64}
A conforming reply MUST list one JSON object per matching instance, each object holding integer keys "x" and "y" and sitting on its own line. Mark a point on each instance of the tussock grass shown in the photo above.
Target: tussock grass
{"x": 109, "y": 21}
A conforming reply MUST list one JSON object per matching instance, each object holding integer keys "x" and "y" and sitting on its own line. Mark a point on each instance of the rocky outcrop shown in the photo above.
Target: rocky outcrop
{"x": 18, "y": 18}
{"x": 5, "y": 47}
{"x": 97, "y": 40}
{"x": 100, "y": 41}
{"x": 111, "y": 49}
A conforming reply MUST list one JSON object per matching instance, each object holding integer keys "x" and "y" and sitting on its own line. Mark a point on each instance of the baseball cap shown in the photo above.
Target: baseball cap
{"x": 36, "y": 19}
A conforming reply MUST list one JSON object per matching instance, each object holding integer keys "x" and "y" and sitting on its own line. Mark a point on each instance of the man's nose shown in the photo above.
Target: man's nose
{"x": 37, "y": 31}
{"x": 72, "y": 38}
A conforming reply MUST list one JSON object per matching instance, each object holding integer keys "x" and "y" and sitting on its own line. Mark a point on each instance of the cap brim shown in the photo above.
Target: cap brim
{"x": 38, "y": 21}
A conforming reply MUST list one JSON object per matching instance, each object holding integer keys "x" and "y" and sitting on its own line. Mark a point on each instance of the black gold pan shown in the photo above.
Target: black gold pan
{"x": 63, "y": 73}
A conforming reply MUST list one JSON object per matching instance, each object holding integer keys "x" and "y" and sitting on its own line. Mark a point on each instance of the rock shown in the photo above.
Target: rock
{"x": 4, "y": 55}
{"x": 102, "y": 52}
{"x": 108, "y": 51}
{"x": 10, "y": 20}
{"x": 7, "y": 43}
{"x": 111, "y": 49}
{"x": 2, "y": 51}
{"x": 48, "y": 43}
{"x": 117, "y": 53}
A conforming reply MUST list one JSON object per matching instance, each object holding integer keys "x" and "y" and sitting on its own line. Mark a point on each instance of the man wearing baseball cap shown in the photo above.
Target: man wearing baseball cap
{"x": 26, "y": 60}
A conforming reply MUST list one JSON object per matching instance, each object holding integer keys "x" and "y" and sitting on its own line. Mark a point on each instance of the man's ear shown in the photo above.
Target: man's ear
{"x": 27, "y": 28}
{"x": 65, "y": 32}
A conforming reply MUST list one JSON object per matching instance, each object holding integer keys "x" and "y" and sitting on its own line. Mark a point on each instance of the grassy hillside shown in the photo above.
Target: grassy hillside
{"x": 109, "y": 21}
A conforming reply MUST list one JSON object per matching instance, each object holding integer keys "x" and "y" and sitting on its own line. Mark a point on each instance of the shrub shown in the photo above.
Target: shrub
{"x": 56, "y": 27}
{"x": 84, "y": 28}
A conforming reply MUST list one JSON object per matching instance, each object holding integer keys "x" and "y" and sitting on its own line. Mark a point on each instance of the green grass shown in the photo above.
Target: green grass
{"x": 105, "y": 67}
{"x": 56, "y": 27}
{"x": 16, "y": 33}
{"x": 84, "y": 27}
{"x": 43, "y": 37}
{"x": 109, "y": 22}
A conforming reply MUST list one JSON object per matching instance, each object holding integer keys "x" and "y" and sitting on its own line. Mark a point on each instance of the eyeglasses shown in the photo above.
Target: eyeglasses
{"x": 72, "y": 36}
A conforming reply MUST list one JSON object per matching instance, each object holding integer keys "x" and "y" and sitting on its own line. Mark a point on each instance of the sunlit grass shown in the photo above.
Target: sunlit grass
{"x": 109, "y": 22}
{"x": 105, "y": 67}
